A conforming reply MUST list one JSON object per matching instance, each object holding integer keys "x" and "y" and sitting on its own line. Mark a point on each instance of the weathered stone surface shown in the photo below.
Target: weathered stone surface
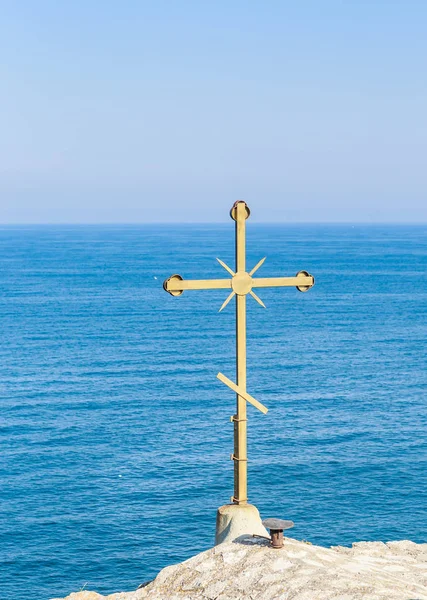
{"x": 251, "y": 570}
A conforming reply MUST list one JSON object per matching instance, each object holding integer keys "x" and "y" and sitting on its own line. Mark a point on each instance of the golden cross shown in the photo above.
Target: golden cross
{"x": 241, "y": 284}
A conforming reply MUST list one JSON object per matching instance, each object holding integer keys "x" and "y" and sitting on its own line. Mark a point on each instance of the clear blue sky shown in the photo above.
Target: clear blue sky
{"x": 140, "y": 111}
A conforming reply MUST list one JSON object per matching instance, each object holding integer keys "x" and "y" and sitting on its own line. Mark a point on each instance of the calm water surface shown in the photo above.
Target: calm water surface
{"x": 114, "y": 429}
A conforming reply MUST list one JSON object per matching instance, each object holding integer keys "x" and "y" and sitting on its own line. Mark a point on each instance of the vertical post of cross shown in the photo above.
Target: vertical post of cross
{"x": 239, "y": 517}
{"x": 240, "y": 419}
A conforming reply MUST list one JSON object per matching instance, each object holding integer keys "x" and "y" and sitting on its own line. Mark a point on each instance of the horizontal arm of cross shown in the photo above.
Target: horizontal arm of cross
{"x": 204, "y": 284}
{"x": 173, "y": 284}
{"x": 283, "y": 281}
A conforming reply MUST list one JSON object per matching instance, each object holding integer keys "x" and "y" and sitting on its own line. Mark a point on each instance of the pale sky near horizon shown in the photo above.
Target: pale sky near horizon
{"x": 159, "y": 111}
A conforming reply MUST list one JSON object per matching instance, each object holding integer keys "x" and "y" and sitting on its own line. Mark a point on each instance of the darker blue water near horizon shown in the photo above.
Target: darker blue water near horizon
{"x": 115, "y": 432}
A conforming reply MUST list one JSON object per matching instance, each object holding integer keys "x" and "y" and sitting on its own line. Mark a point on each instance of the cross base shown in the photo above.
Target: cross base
{"x": 234, "y": 521}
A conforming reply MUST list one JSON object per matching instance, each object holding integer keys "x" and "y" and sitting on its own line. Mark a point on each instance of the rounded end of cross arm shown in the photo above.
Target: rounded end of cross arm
{"x": 167, "y": 282}
{"x": 305, "y": 287}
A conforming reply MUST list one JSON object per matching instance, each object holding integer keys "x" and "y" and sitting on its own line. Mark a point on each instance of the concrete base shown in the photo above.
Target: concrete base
{"x": 235, "y": 520}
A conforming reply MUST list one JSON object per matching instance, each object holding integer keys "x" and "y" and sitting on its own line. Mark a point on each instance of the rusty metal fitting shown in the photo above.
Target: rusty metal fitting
{"x": 276, "y": 527}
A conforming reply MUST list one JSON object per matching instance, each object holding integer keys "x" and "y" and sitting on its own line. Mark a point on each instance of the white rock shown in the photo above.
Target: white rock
{"x": 300, "y": 571}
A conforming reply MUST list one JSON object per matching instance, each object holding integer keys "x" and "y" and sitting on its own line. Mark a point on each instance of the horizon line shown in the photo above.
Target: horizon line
{"x": 166, "y": 223}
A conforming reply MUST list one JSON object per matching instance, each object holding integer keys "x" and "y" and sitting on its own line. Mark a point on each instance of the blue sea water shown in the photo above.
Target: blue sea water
{"x": 115, "y": 433}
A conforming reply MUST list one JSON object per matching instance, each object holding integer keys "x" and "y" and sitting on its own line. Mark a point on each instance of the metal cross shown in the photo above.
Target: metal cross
{"x": 241, "y": 284}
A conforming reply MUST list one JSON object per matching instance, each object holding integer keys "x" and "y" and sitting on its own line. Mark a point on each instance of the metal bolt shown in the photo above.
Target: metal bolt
{"x": 276, "y": 527}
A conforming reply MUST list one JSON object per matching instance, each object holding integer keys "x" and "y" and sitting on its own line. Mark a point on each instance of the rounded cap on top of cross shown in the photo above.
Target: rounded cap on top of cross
{"x": 233, "y": 210}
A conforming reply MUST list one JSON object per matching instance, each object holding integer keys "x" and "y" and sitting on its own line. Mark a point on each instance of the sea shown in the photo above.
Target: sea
{"x": 115, "y": 435}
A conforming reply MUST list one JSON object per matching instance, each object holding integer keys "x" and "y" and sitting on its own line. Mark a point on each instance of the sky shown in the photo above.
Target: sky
{"x": 169, "y": 111}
